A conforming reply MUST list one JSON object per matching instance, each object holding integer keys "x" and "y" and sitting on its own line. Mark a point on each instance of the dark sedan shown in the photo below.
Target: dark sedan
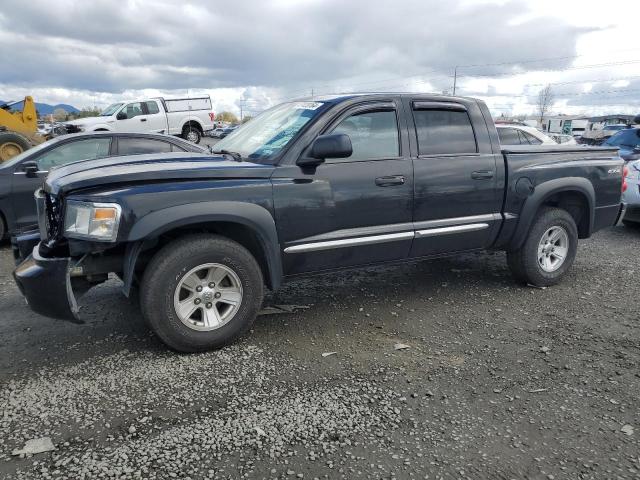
{"x": 22, "y": 175}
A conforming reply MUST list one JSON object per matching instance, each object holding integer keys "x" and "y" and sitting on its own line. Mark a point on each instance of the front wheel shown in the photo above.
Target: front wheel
{"x": 201, "y": 292}
{"x": 549, "y": 250}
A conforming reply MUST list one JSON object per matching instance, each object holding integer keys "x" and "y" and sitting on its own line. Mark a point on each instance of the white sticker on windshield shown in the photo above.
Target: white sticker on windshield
{"x": 307, "y": 105}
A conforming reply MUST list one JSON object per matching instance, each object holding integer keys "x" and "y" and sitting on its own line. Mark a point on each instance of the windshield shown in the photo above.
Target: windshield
{"x": 266, "y": 135}
{"x": 111, "y": 109}
{"x": 627, "y": 138}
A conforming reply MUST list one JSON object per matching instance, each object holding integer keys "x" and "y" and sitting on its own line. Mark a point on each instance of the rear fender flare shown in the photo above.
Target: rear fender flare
{"x": 253, "y": 216}
{"x": 187, "y": 120}
{"x": 541, "y": 193}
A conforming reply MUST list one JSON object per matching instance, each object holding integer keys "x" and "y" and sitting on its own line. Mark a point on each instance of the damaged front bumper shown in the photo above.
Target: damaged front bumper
{"x": 46, "y": 285}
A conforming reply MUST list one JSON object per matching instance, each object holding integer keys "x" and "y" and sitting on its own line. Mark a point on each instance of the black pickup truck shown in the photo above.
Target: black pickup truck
{"x": 310, "y": 186}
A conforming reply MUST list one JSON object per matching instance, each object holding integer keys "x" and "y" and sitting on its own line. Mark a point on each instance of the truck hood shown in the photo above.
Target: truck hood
{"x": 165, "y": 167}
{"x": 89, "y": 121}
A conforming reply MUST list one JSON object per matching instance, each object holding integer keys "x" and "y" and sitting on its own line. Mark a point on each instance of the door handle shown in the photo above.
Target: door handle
{"x": 143, "y": 119}
{"x": 390, "y": 181}
{"x": 482, "y": 174}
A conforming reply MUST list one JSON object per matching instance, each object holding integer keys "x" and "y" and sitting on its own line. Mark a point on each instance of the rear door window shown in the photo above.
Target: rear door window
{"x": 530, "y": 139}
{"x": 140, "y": 146}
{"x": 509, "y": 136}
{"x": 444, "y": 132}
{"x": 152, "y": 108}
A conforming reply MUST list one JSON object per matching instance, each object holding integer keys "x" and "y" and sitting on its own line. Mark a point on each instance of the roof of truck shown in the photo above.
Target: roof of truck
{"x": 339, "y": 97}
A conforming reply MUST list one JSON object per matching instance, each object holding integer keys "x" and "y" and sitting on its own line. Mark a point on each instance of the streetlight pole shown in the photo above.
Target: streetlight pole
{"x": 455, "y": 79}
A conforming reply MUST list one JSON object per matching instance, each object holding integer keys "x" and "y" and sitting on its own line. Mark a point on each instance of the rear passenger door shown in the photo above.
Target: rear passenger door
{"x": 141, "y": 146}
{"x": 155, "y": 117}
{"x": 457, "y": 197}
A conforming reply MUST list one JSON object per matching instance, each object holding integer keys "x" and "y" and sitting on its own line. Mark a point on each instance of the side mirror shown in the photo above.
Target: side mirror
{"x": 121, "y": 116}
{"x": 327, "y": 146}
{"x": 30, "y": 169}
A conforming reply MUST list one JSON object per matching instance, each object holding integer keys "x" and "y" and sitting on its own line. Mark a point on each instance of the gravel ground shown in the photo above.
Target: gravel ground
{"x": 498, "y": 381}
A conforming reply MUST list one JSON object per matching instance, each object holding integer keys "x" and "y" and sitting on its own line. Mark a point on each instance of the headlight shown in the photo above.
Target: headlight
{"x": 94, "y": 221}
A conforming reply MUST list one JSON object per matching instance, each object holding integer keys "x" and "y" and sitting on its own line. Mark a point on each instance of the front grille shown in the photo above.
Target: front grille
{"x": 53, "y": 217}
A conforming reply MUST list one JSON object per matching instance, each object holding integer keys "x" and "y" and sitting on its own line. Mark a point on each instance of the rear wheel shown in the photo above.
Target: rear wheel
{"x": 3, "y": 228}
{"x": 549, "y": 250}
{"x": 12, "y": 144}
{"x": 201, "y": 292}
{"x": 191, "y": 134}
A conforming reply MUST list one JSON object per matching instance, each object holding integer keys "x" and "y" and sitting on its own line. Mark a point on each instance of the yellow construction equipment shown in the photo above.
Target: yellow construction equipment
{"x": 18, "y": 130}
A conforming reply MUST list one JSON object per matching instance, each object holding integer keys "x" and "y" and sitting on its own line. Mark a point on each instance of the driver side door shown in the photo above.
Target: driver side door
{"x": 349, "y": 211}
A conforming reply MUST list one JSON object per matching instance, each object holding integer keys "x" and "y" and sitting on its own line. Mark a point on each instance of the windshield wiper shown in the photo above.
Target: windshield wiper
{"x": 235, "y": 155}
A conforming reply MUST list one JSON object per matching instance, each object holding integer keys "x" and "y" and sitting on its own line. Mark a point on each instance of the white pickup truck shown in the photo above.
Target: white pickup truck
{"x": 185, "y": 117}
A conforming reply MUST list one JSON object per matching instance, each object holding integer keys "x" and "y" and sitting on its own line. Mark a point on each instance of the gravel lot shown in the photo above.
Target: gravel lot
{"x": 499, "y": 381}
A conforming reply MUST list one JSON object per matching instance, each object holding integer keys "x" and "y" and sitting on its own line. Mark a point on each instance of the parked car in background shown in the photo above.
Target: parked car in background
{"x": 628, "y": 141}
{"x": 227, "y": 131}
{"x": 215, "y": 133}
{"x": 631, "y": 195}
{"x": 563, "y": 139}
{"x": 601, "y": 128}
{"x": 512, "y": 134}
{"x": 185, "y": 117}
{"x": 306, "y": 187}
{"x": 23, "y": 174}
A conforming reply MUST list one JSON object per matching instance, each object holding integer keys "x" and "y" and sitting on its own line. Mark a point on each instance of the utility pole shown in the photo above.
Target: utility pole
{"x": 455, "y": 79}
{"x": 311, "y": 93}
{"x": 241, "y": 105}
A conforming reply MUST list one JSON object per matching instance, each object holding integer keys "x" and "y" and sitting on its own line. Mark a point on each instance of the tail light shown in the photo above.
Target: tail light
{"x": 625, "y": 172}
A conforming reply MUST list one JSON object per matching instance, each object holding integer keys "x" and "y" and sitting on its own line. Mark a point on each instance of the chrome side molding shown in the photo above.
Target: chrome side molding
{"x": 349, "y": 242}
{"x": 437, "y": 227}
{"x": 433, "y": 232}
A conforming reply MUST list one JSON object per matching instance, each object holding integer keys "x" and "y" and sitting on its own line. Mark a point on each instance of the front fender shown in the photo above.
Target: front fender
{"x": 253, "y": 216}
{"x": 541, "y": 193}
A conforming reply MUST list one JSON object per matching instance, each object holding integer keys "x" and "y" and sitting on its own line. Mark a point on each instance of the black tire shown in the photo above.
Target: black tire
{"x": 171, "y": 264}
{"x": 524, "y": 263}
{"x": 12, "y": 144}
{"x": 191, "y": 134}
{"x": 3, "y": 228}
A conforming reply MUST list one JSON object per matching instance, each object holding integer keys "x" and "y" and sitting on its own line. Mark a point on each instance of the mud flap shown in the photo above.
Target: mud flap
{"x": 46, "y": 285}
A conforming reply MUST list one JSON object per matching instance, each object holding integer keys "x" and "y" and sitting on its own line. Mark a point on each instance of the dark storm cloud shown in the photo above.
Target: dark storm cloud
{"x": 112, "y": 46}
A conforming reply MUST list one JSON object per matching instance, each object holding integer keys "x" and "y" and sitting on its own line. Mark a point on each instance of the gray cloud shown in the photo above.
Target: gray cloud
{"x": 263, "y": 52}
{"x": 112, "y": 46}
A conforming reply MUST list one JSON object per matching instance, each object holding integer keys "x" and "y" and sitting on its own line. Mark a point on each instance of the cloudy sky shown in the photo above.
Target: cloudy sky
{"x": 257, "y": 53}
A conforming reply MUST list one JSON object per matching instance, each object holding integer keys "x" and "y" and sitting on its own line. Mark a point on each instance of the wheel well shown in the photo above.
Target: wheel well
{"x": 237, "y": 232}
{"x": 101, "y": 130}
{"x": 577, "y": 204}
{"x": 192, "y": 125}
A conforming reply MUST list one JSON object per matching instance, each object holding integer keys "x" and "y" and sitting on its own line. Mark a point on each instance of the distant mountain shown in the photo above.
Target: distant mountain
{"x": 45, "y": 108}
